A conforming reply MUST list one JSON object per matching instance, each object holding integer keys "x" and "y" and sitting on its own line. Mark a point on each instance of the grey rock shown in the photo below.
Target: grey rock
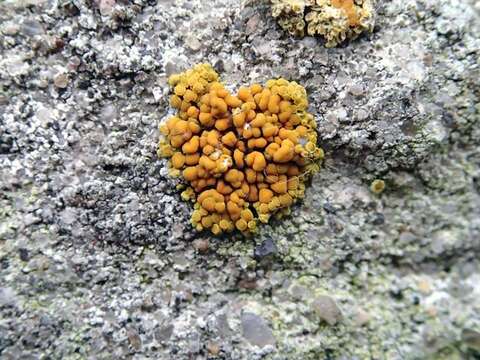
{"x": 31, "y": 28}
{"x": 7, "y": 296}
{"x": 356, "y": 89}
{"x": 110, "y": 265}
{"x": 222, "y": 326}
{"x": 256, "y": 330}
{"x": 300, "y": 292}
{"x": 10, "y": 28}
{"x": 134, "y": 339}
{"x": 164, "y": 333}
{"x": 266, "y": 249}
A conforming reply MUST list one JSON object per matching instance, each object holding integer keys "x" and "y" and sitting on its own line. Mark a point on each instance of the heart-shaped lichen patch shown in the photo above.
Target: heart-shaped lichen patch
{"x": 244, "y": 157}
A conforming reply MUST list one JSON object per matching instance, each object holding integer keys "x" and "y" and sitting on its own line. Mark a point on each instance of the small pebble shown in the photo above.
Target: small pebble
{"x": 378, "y": 219}
{"x": 256, "y": 330}
{"x": 106, "y": 7}
{"x": 213, "y": 348}
{"x": 356, "y": 90}
{"x": 247, "y": 284}
{"x": 362, "y": 318}
{"x": 424, "y": 287}
{"x": 193, "y": 43}
{"x": 61, "y": 80}
{"x": 265, "y": 249}
{"x": 74, "y": 63}
{"x": 361, "y": 114}
{"x": 3, "y": 100}
{"x": 134, "y": 339}
{"x": 327, "y": 310}
{"x": 252, "y": 24}
{"x": 10, "y": 28}
{"x": 201, "y": 245}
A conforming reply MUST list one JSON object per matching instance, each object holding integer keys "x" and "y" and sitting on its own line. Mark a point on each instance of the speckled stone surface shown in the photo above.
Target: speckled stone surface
{"x": 97, "y": 257}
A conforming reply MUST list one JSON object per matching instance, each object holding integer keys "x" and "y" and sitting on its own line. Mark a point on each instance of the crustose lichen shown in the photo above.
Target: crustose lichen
{"x": 244, "y": 157}
{"x": 335, "y": 20}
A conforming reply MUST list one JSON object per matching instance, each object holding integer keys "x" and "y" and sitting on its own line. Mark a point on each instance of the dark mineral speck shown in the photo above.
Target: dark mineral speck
{"x": 23, "y": 253}
{"x": 266, "y": 249}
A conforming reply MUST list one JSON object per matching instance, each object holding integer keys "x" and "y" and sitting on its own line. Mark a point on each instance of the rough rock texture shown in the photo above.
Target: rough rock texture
{"x": 97, "y": 257}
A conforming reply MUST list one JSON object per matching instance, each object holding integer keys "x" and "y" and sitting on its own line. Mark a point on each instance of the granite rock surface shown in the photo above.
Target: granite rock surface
{"x": 97, "y": 256}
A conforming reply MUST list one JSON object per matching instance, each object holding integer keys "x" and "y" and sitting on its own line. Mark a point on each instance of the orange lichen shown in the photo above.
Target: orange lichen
{"x": 244, "y": 156}
{"x": 350, "y": 10}
{"x": 335, "y": 20}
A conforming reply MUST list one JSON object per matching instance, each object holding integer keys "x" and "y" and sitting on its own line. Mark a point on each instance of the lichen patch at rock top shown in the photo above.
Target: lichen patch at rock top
{"x": 244, "y": 157}
{"x": 335, "y": 20}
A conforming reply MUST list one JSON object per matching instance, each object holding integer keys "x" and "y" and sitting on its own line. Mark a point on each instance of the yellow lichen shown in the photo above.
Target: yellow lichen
{"x": 335, "y": 20}
{"x": 377, "y": 186}
{"x": 244, "y": 156}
